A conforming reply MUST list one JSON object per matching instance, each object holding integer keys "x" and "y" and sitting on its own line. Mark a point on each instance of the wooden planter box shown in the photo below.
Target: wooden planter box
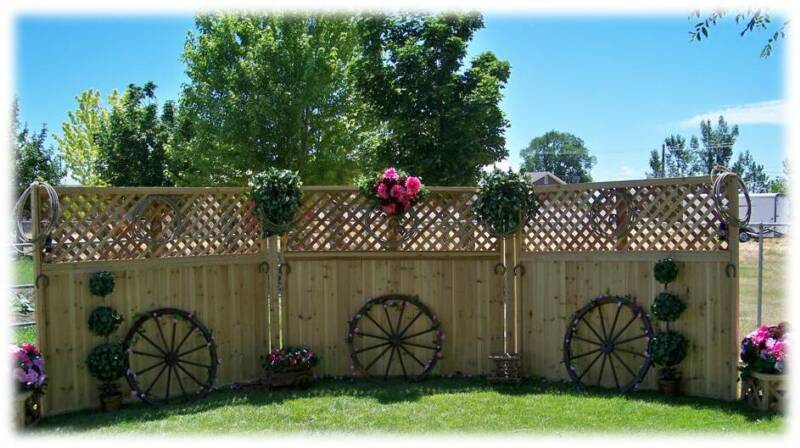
{"x": 296, "y": 378}
{"x": 764, "y": 392}
{"x": 27, "y": 409}
{"x": 20, "y": 405}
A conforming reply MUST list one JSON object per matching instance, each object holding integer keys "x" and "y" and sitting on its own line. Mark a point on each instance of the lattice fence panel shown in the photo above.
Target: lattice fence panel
{"x": 343, "y": 220}
{"x": 670, "y": 217}
{"x": 118, "y": 225}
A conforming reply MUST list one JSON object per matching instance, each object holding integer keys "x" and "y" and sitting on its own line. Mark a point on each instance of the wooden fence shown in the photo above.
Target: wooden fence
{"x": 199, "y": 249}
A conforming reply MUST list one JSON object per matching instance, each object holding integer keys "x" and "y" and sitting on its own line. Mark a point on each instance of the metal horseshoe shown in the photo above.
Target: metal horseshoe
{"x": 730, "y": 270}
{"x": 263, "y": 267}
{"x": 42, "y": 277}
{"x": 500, "y": 269}
{"x": 519, "y": 270}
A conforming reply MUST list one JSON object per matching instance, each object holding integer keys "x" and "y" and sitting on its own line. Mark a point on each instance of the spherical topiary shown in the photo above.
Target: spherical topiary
{"x": 104, "y": 320}
{"x": 668, "y": 348}
{"x": 665, "y": 270}
{"x": 276, "y": 196}
{"x": 101, "y": 283}
{"x": 505, "y": 201}
{"x": 106, "y": 362}
{"x": 667, "y": 306}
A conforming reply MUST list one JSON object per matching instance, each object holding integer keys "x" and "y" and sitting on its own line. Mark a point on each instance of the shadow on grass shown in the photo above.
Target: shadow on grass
{"x": 385, "y": 393}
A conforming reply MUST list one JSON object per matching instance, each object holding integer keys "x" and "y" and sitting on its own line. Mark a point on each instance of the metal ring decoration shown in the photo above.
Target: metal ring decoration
{"x": 401, "y": 327}
{"x": 500, "y": 269}
{"x": 519, "y": 269}
{"x": 719, "y": 175}
{"x": 263, "y": 267}
{"x": 730, "y": 270}
{"x": 284, "y": 268}
{"x": 612, "y": 213}
{"x": 176, "y": 362}
{"x": 604, "y": 331}
{"x": 54, "y": 213}
{"x": 46, "y": 280}
{"x": 405, "y": 232}
{"x": 137, "y": 213}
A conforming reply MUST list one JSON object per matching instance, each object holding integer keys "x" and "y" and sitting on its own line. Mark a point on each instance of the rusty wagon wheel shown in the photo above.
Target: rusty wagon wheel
{"x": 395, "y": 335}
{"x": 170, "y": 355}
{"x": 607, "y": 344}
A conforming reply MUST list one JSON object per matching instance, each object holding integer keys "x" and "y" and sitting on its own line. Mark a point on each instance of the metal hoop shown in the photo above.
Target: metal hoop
{"x": 46, "y": 280}
{"x": 500, "y": 269}
{"x": 54, "y": 211}
{"x": 519, "y": 269}
{"x": 263, "y": 267}
{"x": 718, "y": 175}
{"x": 596, "y": 218}
{"x": 138, "y": 212}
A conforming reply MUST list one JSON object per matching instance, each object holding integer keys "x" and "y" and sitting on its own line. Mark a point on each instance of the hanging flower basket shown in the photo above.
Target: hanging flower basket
{"x": 393, "y": 192}
{"x": 289, "y": 367}
{"x": 276, "y": 196}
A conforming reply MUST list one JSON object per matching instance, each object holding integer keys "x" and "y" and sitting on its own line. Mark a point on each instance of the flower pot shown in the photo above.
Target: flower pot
{"x": 111, "y": 402}
{"x": 20, "y": 408}
{"x": 671, "y": 388}
{"x": 765, "y": 392}
{"x": 294, "y": 378}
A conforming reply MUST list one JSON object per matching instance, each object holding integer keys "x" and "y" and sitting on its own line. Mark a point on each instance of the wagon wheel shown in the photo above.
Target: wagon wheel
{"x": 395, "y": 335}
{"x": 607, "y": 344}
{"x": 170, "y": 354}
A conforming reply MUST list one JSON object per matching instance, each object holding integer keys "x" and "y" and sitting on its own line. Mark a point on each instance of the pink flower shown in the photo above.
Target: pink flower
{"x": 398, "y": 192}
{"x": 413, "y": 185}
{"x": 381, "y": 190}
{"x": 390, "y": 208}
{"x": 390, "y": 174}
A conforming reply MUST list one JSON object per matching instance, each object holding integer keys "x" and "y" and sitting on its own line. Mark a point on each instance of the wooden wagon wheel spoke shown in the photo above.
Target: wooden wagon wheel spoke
{"x": 180, "y": 383}
{"x": 372, "y": 347}
{"x": 614, "y": 371}
{"x": 418, "y": 334}
{"x": 161, "y": 333}
{"x": 155, "y": 380}
{"x": 586, "y": 340}
{"x": 586, "y": 354}
{"x": 389, "y": 363}
{"x": 419, "y": 313}
{"x": 185, "y": 337}
{"x": 199, "y": 347}
{"x": 141, "y": 333}
{"x": 388, "y": 320}
{"x": 400, "y": 316}
{"x": 149, "y": 368}
{"x": 599, "y": 338}
{"x": 172, "y": 342}
{"x": 602, "y": 368}
{"x": 616, "y": 318}
{"x": 631, "y": 339}
{"x": 641, "y": 355}
{"x": 412, "y": 355}
{"x": 602, "y": 324}
{"x": 361, "y": 333}
{"x": 402, "y": 364}
{"x": 189, "y": 374}
{"x": 169, "y": 381}
{"x": 147, "y": 354}
{"x": 621, "y": 332}
{"x": 619, "y": 358}
{"x": 192, "y": 363}
{"x": 378, "y": 325}
{"x": 590, "y": 365}
{"x": 379, "y": 357}
{"x": 429, "y": 347}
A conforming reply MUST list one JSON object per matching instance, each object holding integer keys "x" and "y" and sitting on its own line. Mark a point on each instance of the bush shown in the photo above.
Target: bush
{"x": 276, "y": 196}
{"x": 106, "y": 362}
{"x": 104, "y": 320}
{"x": 667, "y": 307}
{"x": 665, "y": 271}
{"x": 101, "y": 283}
{"x": 668, "y": 348}
{"x": 505, "y": 201}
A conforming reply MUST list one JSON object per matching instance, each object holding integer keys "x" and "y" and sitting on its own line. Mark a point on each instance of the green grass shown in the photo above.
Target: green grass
{"x": 774, "y": 308}
{"x": 24, "y": 334}
{"x": 23, "y": 270}
{"x": 434, "y": 405}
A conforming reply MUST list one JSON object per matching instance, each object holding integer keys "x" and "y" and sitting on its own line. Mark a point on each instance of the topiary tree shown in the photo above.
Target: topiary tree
{"x": 505, "y": 201}
{"x": 276, "y": 196}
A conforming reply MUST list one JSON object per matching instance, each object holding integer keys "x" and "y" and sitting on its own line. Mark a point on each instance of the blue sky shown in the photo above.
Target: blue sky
{"x": 622, "y": 84}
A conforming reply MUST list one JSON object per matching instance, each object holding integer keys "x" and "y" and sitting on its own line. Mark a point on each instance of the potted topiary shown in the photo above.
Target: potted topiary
{"x": 290, "y": 366}
{"x": 667, "y": 307}
{"x": 505, "y": 202}
{"x": 763, "y": 365}
{"x": 106, "y": 363}
{"x": 668, "y": 349}
{"x": 101, "y": 283}
{"x": 276, "y": 196}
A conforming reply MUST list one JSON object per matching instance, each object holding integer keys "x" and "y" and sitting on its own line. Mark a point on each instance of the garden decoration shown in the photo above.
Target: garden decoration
{"x": 612, "y": 213}
{"x": 764, "y": 360}
{"x": 402, "y": 327}
{"x": 668, "y": 349}
{"x": 665, "y": 271}
{"x": 49, "y": 221}
{"x": 507, "y": 368}
{"x": 101, "y": 283}
{"x": 276, "y": 197}
{"x": 106, "y": 363}
{"x": 31, "y": 380}
{"x": 289, "y": 366}
{"x": 667, "y": 307}
{"x": 390, "y": 194}
{"x": 505, "y": 202}
{"x": 609, "y": 329}
{"x": 169, "y": 354}
{"x": 104, "y": 320}
{"x": 720, "y": 179}
{"x": 156, "y": 219}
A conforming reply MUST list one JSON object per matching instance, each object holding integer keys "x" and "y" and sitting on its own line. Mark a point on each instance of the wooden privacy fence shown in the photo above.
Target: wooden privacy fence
{"x": 200, "y": 249}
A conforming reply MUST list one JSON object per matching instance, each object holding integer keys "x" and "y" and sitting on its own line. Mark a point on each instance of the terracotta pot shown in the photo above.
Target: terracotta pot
{"x": 296, "y": 378}
{"x": 671, "y": 388}
{"x": 111, "y": 403}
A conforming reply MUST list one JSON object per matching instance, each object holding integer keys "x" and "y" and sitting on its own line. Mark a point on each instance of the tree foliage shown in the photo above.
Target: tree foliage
{"x": 717, "y": 145}
{"x": 679, "y": 160}
{"x": 440, "y": 118}
{"x": 752, "y": 19}
{"x": 751, "y": 173}
{"x": 561, "y": 153}
{"x": 77, "y": 142}
{"x": 269, "y": 91}
{"x": 33, "y": 159}
{"x": 134, "y": 142}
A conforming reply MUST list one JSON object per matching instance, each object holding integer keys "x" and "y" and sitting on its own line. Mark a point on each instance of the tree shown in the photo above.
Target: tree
{"x": 780, "y": 183}
{"x": 679, "y": 160}
{"x": 133, "y": 142}
{"x": 751, "y": 173}
{"x": 717, "y": 145}
{"x": 753, "y": 20}
{"x": 77, "y": 143}
{"x": 561, "y": 153}
{"x": 440, "y": 118}
{"x": 32, "y": 159}
{"x": 269, "y": 91}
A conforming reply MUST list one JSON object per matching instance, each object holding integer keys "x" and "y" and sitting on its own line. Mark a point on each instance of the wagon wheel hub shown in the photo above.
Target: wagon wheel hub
{"x": 607, "y": 347}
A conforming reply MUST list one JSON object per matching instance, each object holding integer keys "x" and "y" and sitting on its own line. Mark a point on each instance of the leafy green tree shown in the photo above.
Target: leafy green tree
{"x": 33, "y": 160}
{"x": 561, "y": 153}
{"x": 717, "y": 145}
{"x": 269, "y": 91}
{"x": 752, "y": 20}
{"x": 751, "y": 173}
{"x": 133, "y": 142}
{"x": 679, "y": 160}
{"x": 780, "y": 183}
{"x": 440, "y": 118}
{"x": 77, "y": 142}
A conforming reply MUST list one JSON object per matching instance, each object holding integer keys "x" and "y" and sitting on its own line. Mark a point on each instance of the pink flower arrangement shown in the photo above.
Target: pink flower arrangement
{"x": 394, "y": 191}
{"x": 765, "y": 349}
{"x": 289, "y": 359}
{"x": 28, "y": 368}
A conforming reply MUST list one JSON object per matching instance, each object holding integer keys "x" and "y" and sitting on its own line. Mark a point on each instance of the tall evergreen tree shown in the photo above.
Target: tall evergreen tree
{"x": 717, "y": 145}
{"x": 33, "y": 159}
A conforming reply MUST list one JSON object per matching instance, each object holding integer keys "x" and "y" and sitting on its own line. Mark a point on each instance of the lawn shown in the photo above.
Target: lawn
{"x": 434, "y": 405}
{"x": 776, "y": 257}
{"x": 23, "y": 271}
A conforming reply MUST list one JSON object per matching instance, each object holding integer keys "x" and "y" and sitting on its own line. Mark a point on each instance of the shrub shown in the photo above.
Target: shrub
{"x": 101, "y": 283}
{"x": 668, "y": 348}
{"x": 276, "y": 196}
{"x": 104, "y": 320}
{"x": 289, "y": 359}
{"x": 667, "y": 307}
{"x": 764, "y": 350}
{"x": 505, "y": 201}
{"x": 665, "y": 271}
{"x": 106, "y": 362}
